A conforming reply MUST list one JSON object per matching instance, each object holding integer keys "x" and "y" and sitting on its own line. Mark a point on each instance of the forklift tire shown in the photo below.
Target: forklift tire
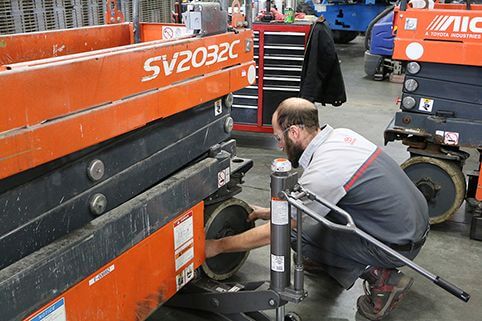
{"x": 340, "y": 36}
{"x": 441, "y": 182}
{"x": 225, "y": 219}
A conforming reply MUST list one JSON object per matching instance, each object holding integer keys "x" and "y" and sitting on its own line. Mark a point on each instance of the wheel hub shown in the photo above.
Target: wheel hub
{"x": 225, "y": 219}
{"x": 428, "y": 188}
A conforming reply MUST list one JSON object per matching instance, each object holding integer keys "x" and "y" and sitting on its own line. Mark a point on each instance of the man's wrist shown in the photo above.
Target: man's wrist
{"x": 220, "y": 245}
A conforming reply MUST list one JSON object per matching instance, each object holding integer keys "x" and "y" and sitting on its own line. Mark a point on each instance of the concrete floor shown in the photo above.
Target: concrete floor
{"x": 448, "y": 252}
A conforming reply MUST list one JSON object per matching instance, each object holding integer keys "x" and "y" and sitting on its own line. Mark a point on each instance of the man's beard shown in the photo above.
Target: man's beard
{"x": 293, "y": 152}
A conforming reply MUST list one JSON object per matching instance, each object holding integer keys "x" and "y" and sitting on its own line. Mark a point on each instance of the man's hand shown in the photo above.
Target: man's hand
{"x": 258, "y": 213}
{"x": 212, "y": 248}
{"x": 253, "y": 238}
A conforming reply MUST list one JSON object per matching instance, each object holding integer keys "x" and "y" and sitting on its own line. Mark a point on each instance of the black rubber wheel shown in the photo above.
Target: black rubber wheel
{"x": 340, "y": 36}
{"x": 292, "y": 316}
{"x": 441, "y": 182}
{"x": 225, "y": 219}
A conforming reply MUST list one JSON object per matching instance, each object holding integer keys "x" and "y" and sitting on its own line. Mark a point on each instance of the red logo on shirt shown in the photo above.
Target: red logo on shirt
{"x": 350, "y": 140}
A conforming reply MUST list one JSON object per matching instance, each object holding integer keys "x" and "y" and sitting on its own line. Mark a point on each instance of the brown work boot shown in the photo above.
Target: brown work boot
{"x": 384, "y": 288}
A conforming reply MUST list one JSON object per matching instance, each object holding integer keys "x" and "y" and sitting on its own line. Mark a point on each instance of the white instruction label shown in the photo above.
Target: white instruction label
{"x": 279, "y": 212}
{"x": 54, "y": 312}
{"x": 224, "y": 177}
{"x": 425, "y": 104}
{"x": 277, "y": 263}
{"x": 183, "y": 230}
{"x": 185, "y": 276}
{"x": 218, "y": 107}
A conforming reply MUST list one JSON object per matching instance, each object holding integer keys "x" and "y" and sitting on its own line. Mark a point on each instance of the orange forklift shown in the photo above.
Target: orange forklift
{"x": 441, "y": 104}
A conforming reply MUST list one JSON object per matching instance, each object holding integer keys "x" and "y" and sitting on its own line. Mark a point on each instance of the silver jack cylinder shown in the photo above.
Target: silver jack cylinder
{"x": 281, "y": 180}
{"x": 299, "y": 271}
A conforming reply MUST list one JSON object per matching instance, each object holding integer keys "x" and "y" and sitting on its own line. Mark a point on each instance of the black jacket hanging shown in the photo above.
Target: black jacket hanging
{"x": 321, "y": 78}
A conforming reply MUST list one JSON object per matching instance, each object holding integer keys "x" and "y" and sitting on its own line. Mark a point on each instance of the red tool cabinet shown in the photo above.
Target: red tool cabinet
{"x": 279, "y": 53}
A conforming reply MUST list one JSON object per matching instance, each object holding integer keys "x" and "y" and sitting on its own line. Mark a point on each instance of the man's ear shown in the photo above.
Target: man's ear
{"x": 295, "y": 133}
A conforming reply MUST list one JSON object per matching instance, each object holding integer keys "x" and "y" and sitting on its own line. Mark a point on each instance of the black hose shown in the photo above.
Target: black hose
{"x": 372, "y": 23}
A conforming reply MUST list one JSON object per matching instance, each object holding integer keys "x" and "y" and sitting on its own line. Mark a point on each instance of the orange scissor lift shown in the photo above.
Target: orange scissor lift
{"x": 441, "y": 103}
{"x": 109, "y": 152}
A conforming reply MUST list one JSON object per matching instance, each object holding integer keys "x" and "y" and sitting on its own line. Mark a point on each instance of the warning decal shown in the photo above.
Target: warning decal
{"x": 218, "y": 107}
{"x": 185, "y": 276}
{"x": 54, "y": 312}
{"x": 223, "y": 177}
{"x": 183, "y": 240}
{"x": 183, "y": 230}
{"x": 172, "y": 32}
{"x": 102, "y": 274}
{"x": 184, "y": 254}
{"x": 451, "y": 138}
{"x": 425, "y": 104}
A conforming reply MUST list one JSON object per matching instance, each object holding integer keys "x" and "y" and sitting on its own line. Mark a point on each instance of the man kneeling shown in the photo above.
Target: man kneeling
{"x": 350, "y": 171}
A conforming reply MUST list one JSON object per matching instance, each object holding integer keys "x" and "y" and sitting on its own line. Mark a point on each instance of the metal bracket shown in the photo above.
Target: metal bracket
{"x": 227, "y": 299}
{"x": 443, "y": 153}
{"x": 238, "y": 168}
{"x": 293, "y": 296}
{"x": 205, "y": 18}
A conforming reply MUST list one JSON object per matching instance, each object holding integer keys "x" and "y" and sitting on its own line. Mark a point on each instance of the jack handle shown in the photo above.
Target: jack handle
{"x": 295, "y": 200}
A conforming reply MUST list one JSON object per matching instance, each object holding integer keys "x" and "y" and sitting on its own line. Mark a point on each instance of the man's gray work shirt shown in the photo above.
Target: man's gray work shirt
{"x": 352, "y": 172}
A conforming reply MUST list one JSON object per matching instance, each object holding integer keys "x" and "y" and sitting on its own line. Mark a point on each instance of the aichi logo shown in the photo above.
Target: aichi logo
{"x": 443, "y": 23}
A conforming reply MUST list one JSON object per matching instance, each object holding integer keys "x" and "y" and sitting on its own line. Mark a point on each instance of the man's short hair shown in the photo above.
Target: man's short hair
{"x": 297, "y": 111}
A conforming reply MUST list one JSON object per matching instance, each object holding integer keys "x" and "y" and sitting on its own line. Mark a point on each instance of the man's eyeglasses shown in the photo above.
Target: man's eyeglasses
{"x": 278, "y": 138}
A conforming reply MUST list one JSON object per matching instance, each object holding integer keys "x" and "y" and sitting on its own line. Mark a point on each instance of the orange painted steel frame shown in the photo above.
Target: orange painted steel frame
{"x": 447, "y": 34}
{"x": 46, "y": 44}
{"x": 133, "y": 285}
{"x": 54, "y": 107}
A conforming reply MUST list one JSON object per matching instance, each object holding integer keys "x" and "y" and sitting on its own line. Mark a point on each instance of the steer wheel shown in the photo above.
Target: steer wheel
{"x": 225, "y": 219}
{"x": 441, "y": 182}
